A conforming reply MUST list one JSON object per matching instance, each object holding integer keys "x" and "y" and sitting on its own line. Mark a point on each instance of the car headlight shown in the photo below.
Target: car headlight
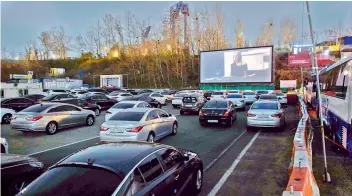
{"x": 36, "y": 164}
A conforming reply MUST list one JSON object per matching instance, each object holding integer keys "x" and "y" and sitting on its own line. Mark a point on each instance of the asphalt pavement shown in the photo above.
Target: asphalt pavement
{"x": 225, "y": 151}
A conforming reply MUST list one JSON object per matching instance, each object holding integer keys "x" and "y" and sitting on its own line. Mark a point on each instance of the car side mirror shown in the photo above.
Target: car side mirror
{"x": 185, "y": 157}
{"x": 170, "y": 115}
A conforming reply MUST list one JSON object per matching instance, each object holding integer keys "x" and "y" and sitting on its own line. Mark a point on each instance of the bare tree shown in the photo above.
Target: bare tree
{"x": 46, "y": 42}
{"x": 109, "y": 31}
{"x": 60, "y": 41}
{"x": 4, "y": 53}
{"x": 80, "y": 44}
{"x": 94, "y": 39}
{"x": 287, "y": 32}
{"x": 239, "y": 33}
{"x": 349, "y": 28}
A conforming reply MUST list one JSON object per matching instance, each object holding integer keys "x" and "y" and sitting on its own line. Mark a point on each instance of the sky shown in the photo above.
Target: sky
{"x": 24, "y": 21}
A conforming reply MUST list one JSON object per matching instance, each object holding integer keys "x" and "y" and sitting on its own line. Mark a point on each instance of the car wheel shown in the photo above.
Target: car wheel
{"x": 97, "y": 112}
{"x": 197, "y": 181}
{"x": 18, "y": 185}
{"x": 182, "y": 112}
{"x": 173, "y": 105}
{"x": 150, "y": 138}
{"x": 6, "y": 119}
{"x": 51, "y": 128}
{"x": 90, "y": 120}
{"x": 174, "y": 128}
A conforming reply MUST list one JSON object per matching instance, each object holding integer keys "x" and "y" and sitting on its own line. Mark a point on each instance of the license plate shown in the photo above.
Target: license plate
{"x": 213, "y": 121}
{"x": 116, "y": 131}
{"x": 188, "y": 105}
{"x": 263, "y": 116}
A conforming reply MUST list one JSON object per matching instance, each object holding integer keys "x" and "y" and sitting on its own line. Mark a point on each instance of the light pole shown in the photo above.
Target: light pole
{"x": 315, "y": 67}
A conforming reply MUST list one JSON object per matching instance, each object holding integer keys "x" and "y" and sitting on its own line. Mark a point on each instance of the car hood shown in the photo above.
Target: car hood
{"x": 14, "y": 159}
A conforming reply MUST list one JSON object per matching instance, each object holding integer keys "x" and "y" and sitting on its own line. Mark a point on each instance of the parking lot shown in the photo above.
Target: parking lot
{"x": 232, "y": 155}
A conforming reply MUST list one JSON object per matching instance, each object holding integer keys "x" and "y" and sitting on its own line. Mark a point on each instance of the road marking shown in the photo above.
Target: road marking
{"x": 62, "y": 146}
{"x": 233, "y": 166}
{"x": 223, "y": 152}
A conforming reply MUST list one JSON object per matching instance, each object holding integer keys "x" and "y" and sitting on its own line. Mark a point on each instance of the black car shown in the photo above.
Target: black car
{"x": 17, "y": 104}
{"x": 218, "y": 111}
{"x": 99, "y": 90}
{"x": 17, "y": 171}
{"x": 192, "y": 103}
{"x": 125, "y": 168}
{"x": 83, "y": 104}
{"x": 56, "y": 97}
{"x": 259, "y": 93}
{"x": 207, "y": 94}
{"x": 34, "y": 97}
{"x": 102, "y": 100}
{"x": 144, "y": 97}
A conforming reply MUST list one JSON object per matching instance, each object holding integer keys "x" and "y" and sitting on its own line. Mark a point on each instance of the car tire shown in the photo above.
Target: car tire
{"x": 6, "y": 119}
{"x": 51, "y": 128}
{"x": 90, "y": 120}
{"x": 182, "y": 112}
{"x": 197, "y": 181}
{"x": 174, "y": 128}
{"x": 97, "y": 112}
{"x": 174, "y": 106}
{"x": 151, "y": 138}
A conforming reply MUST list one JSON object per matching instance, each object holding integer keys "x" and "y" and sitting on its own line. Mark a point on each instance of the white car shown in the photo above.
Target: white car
{"x": 159, "y": 97}
{"x": 233, "y": 92}
{"x": 266, "y": 113}
{"x": 237, "y": 99}
{"x": 177, "y": 99}
{"x": 6, "y": 115}
{"x": 4, "y": 146}
{"x": 124, "y": 105}
{"x": 282, "y": 98}
{"x": 119, "y": 96}
{"x": 218, "y": 95}
{"x": 249, "y": 97}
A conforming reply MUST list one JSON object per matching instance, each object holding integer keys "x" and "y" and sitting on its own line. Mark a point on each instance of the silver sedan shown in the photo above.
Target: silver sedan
{"x": 50, "y": 117}
{"x": 139, "y": 124}
{"x": 266, "y": 113}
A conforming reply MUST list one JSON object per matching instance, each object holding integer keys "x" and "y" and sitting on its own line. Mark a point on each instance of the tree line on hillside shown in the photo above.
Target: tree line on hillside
{"x": 124, "y": 45}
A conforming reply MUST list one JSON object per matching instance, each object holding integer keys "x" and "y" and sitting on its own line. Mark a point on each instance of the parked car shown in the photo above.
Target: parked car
{"x": 233, "y": 92}
{"x": 218, "y": 111}
{"x": 282, "y": 98}
{"x": 218, "y": 95}
{"x": 177, "y": 99}
{"x": 133, "y": 168}
{"x": 207, "y": 94}
{"x": 17, "y": 171}
{"x": 192, "y": 103}
{"x": 35, "y": 97}
{"x": 124, "y": 105}
{"x": 50, "y": 117}
{"x": 78, "y": 92}
{"x": 266, "y": 113}
{"x": 6, "y": 115}
{"x": 98, "y": 90}
{"x": 55, "y": 97}
{"x": 17, "y": 104}
{"x": 102, "y": 100}
{"x": 139, "y": 124}
{"x": 159, "y": 97}
{"x": 237, "y": 99}
{"x": 261, "y": 92}
{"x": 56, "y": 91}
{"x": 81, "y": 103}
{"x": 249, "y": 97}
{"x": 4, "y": 146}
{"x": 268, "y": 97}
{"x": 110, "y": 90}
{"x": 119, "y": 96}
{"x": 144, "y": 97}
{"x": 167, "y": 95}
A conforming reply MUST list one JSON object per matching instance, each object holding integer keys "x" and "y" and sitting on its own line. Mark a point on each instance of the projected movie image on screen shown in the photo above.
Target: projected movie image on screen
{"x": 245, "y": 65}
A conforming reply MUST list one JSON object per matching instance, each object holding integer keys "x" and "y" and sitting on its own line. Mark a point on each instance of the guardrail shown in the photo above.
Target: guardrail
{"x": 301, "y": 178}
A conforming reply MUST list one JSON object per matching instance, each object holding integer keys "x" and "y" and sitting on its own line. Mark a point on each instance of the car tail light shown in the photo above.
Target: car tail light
{"x": 35, "y": 118}
{"x": 200, "y": 113}
{"x": 277, "y": 115}
{"x": 135, "y": 130}
{"x": 103, "y": 128}
{"x": 251, "y": 115}
{"x": 226, "y": 113}
{"x": 108, "y": 112}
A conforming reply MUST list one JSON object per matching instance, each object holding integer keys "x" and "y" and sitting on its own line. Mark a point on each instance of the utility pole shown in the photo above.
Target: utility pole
{"x": 315, "y": 67}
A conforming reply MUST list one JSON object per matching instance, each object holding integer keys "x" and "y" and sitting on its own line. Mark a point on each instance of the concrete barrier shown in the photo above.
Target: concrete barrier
{"x": 301, "y": 178}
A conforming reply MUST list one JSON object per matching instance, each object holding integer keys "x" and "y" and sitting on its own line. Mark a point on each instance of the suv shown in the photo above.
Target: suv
{"x": 192, "y": 103}
{"x": 81, "y": 103}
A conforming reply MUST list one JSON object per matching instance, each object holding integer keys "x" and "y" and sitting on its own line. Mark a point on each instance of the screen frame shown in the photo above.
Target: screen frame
{"x": 254, "y": 47}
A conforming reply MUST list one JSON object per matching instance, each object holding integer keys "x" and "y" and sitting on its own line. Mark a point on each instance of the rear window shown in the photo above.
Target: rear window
{"x": 233, "y": 91}
{"x": 218, "y": 93}
{"x": 264, "y": 106}
{"x": 248, "y": 93}
{"x": 164, "y": 93}
{"x": 189, "y": 100}
{"x": 123, "y": 105}
{"x": 216, "y": 104}
{"x": 263, "y": 92}
{"x": 49, "y": 97}
{"x": 278, "y": 94}
{"x": 37, "y": 108}
{"x": 234, "y": 96}
{"x": 59, "y": 91}
{"x": 268, "y": 97}
{"x": 74, "y": 181}
{"x": 128, "y": 116}
{"x": 82, "y": 92}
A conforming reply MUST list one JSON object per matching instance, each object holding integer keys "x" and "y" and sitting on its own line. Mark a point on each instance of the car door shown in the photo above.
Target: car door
{"x": 19, "y": 104}
{"x": 27, "y": 103}
{"x": 155, "y": 123}
{"x": 60, "y": 115}
{"x": 97, "y": 100}
{"x": 107, "y": 101}
{"x": 157, "y": 97}
{"x": 77, "y": 117}
{"x": 166, "y": 123}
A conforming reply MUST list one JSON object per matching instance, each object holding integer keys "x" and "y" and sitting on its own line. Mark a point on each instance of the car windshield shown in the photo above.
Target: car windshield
{"x": 233, "y": 91}
{"x": 234, "y": 96}
{"x": 218, "y": 93}
{"x": 123, "y": 105}
{"x": 113, "y": 94}
{"x": 264, "y": 106}
{"x": 128, "y": 116}
{"x": 165, "y": 93}
{"x": 248, "y": 93}
{"x": 74, "y": 180}
{"x": 216, "y": 104}
{"x": 49, "y": 97}
{"x": 37, "y": 108}
{"x": 268, "y": 97}
{"x": 4, "y": 100}
{"x": 189, "y": 100}
{"x": 59, "y": 91}
{"x": 262, "y": 92}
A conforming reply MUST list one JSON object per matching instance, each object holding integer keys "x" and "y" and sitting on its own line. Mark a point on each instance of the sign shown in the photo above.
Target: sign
{"x": 288, "y": 83}
{"x": 21, "y": 76}
{"x": 30, "y": 73}
{"x": 305, "y": 60}
{"x": 57, "y": 71}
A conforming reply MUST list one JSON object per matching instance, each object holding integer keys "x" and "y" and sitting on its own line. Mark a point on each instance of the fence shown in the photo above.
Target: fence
{"x": 301, "y": 178}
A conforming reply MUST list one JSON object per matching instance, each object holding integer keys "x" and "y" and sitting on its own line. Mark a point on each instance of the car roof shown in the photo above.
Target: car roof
{"x": 120, "y": 156}
{"x": 134, "y": 102}
{"x": 269, "y": 95}
{"x": 138, "y": 109}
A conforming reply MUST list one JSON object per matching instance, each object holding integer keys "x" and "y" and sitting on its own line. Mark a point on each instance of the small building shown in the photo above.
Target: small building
{"x": 9, "y": 90}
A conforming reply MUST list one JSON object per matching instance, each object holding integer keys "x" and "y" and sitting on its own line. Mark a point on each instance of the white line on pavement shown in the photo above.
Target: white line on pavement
{"x": 62, "y": 146}
{"x": 223, "y": 152}
{"x": 233, "y": 166}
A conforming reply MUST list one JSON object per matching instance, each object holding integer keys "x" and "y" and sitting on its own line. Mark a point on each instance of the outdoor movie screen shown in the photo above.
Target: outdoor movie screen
{"x": 245, "y": 65}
